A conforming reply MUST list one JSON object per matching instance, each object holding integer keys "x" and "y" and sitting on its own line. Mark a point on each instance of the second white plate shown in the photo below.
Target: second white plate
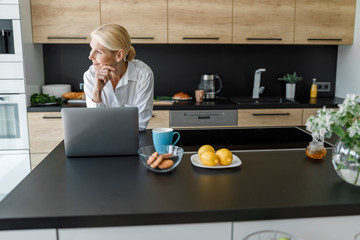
{"x": 195, "y": 160}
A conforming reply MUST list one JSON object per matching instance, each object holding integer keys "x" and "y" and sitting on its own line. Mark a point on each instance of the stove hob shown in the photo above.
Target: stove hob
{"x": 245, "y": 138}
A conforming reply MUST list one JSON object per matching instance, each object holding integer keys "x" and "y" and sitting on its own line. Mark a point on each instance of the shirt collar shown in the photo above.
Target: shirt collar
{"x": 130, "y": 75}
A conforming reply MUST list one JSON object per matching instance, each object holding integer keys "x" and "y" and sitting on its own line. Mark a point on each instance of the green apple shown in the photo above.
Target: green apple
{"x": 283, "y": 238}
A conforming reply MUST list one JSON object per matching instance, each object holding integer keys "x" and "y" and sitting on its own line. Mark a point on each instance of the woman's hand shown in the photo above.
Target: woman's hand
{"x": 101, "y": 78}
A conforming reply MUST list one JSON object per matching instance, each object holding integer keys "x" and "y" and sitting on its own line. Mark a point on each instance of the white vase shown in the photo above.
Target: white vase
{"x": 290, "y": 90}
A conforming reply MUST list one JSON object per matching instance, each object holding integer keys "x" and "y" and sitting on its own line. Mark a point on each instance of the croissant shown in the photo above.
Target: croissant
{"x": 181, "y": 95}
{"x": 74, "y": 95}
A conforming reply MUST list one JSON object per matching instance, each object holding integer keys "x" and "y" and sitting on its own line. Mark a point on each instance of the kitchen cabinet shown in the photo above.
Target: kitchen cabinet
{"x": 269, "y": 117}
{"x": 307, "y": 112}
{"x": 160, "y": 118}
{"x": 321, "y": 228}
{"x": 265, "y": 22}
{"x": 208, "y": 231}
{"x": 200, "y": 21}
{"x": 64, "y": 21}
{"x": 35, "y": 234}
{"x": 146, "y": 21}
{"x": 324, "y": 21}
{"x": 45, "y": 133}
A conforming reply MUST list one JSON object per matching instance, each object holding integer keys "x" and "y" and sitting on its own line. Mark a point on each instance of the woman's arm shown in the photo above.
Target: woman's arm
{"x": 144, "y": 100}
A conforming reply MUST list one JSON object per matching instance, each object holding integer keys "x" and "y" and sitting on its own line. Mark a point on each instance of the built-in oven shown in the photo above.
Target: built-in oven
{"x": 13, "y": 122}
{"x": 10, "y": 33}
{"x": 14, "y": 140}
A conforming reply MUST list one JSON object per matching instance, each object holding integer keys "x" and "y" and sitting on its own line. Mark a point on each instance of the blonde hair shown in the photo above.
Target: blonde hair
{"x": 115, "y": 37}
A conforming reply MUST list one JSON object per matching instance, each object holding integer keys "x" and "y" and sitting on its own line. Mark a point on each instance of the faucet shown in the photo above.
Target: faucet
{"x": 257, "y": 89}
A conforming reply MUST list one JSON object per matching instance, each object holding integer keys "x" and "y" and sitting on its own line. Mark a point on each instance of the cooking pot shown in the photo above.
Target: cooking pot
{"x": 208, "y": 84}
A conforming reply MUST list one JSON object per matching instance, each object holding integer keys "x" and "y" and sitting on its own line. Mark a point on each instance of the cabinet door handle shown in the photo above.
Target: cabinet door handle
{"x": 325, "y": 39}
{"x": 47, "y": 117}
{"x": 271, "y": 114}
{"x": 50, "y": 38}
{"x": 201, "y": 38}
{"x": 266, "y": 39}
{"x": 204, "y": 114}
{"x": 145, "y": 38}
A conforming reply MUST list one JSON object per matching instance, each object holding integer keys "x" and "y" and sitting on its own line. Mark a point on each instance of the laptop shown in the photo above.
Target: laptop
{"x": 100, "y": 131}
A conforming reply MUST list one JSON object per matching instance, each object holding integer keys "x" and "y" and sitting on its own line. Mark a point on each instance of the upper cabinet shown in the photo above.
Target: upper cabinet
{"x": 146, "y": 20}
{"x": 200, "y": 21}
{"x": 324, "y": 21}
{"x": 64, "y": 21}
{"x": 263, "y": 21}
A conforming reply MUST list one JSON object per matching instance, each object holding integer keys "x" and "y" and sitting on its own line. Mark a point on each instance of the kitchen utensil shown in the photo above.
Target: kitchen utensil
{"x": 208, "y": 84}
{"x": 56, "y": 89}
{"x": 147, "y": 151}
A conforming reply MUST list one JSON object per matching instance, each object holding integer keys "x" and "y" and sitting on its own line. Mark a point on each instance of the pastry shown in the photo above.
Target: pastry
{"x": 181, "y": 95}
{"x": 74, "y": 95}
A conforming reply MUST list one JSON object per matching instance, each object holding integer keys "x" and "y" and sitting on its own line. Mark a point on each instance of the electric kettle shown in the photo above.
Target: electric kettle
{"x": 207, "y": 83}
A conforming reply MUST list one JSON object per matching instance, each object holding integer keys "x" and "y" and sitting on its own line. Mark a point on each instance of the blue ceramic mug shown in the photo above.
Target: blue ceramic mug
{"x": 164, "y": 136}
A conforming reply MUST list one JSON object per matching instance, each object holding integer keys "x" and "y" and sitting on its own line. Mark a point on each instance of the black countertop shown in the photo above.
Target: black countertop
{"x": 216, "y": 104}
{"x": 118, "y": 191}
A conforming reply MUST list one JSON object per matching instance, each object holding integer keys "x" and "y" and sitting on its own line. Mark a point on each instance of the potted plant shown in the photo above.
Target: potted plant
{"x": 291, "y": 80}
{"x": 346, "y": 124}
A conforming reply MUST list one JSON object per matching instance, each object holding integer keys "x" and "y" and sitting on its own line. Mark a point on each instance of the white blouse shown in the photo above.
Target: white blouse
{"x": 135, "y": 89}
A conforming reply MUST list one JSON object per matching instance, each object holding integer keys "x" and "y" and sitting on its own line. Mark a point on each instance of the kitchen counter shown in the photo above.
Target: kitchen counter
{"x": 216, "y": 104}
{"x": 119, "y": 191}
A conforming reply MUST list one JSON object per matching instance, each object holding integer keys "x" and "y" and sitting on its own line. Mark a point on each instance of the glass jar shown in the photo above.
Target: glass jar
{"x": 316, "y": 149}
{"x": 346, "y": 162}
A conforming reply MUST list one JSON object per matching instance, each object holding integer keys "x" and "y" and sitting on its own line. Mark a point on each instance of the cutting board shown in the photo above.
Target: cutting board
{"x": 163, "y": 103}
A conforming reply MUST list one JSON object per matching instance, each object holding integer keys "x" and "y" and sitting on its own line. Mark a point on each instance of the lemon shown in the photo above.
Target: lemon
{"x": 225, "y": 156}
{"x": 209, "y": 158}
{"x": 205, "y": 148}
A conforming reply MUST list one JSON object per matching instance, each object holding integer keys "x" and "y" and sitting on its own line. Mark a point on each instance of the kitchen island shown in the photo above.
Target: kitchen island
{"x": 95, "y": 193}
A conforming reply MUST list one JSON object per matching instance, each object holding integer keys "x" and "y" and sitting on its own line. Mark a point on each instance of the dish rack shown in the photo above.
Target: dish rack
{"x": 270, "y": 235}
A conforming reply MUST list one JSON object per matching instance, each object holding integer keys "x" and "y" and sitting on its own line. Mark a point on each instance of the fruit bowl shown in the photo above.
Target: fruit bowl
{"x": 146, "y": 152}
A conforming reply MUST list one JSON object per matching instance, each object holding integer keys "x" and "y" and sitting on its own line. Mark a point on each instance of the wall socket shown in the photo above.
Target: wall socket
{"x": 323, "y": 86}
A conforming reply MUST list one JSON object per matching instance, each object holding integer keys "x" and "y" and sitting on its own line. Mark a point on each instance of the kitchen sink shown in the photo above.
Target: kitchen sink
{"x": 263, "y": 100}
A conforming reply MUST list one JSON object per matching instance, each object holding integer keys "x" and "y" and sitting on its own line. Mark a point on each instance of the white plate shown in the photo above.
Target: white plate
{"x": 182, "y": 99}
{"x": 76, "y": 101}
{"x": 195, "y": 160}
{"x": 46, "y": 104}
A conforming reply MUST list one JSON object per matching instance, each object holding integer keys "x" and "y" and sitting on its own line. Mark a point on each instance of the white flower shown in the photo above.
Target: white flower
{"x": 354, "y": 129}
{"x": 320, "y": 125}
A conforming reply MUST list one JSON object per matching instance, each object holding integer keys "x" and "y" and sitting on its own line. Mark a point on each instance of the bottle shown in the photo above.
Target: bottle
{"x": 313, "y": 90}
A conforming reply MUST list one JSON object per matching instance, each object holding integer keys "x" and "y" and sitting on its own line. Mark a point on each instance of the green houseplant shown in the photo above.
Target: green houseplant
{"x": 346, "y": 124}
{"x": 291, "y": 80}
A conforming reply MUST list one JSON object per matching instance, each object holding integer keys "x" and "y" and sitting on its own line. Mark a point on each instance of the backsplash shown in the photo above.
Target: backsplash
{"x": 178, "y": 67}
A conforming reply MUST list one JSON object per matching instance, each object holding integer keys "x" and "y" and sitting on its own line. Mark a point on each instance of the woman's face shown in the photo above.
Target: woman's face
{"x": 100, "y": 55}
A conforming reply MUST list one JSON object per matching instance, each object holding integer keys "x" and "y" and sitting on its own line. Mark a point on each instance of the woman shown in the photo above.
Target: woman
{"x": 115, "y": 79}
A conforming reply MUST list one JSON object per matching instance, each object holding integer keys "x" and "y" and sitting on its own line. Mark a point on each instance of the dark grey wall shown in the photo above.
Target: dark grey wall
{"x": 179, "y": 67}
